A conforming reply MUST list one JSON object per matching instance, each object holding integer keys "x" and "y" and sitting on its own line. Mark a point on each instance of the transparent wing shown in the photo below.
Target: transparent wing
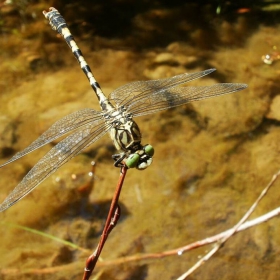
{"x": 177, "y": 96}
{"x": 66, "y": 124}
{"x": 127, "y": 94}
{"x": 56, "y": 157}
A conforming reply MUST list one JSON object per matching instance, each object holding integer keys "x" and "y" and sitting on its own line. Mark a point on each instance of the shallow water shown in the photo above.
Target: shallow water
{"x": 212, "y": 158}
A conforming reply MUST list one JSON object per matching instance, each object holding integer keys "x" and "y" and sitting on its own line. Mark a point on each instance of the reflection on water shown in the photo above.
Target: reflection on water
{"x": 212, "y": 158}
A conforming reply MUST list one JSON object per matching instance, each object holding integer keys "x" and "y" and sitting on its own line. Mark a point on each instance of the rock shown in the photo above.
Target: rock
{"x": 232, "y": 114}
{"x": 166, "y": 58}
{"x": 163, "y": 71}
{"x": 173, "y": 61}
{"x": 274, "y": 110}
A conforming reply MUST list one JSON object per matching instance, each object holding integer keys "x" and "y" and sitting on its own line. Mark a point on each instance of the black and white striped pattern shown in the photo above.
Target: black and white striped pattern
{"x": 59, "y": 24}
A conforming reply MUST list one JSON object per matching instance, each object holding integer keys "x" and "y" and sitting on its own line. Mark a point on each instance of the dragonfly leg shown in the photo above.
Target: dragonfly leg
{"x": 118, "y": 158}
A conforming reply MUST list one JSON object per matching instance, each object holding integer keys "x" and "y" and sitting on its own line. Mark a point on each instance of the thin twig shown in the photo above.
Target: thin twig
{"x": 141, "y": 257}
{"x": 191, "y": 246}
{"x": 111, "y": 221}
{"x": 231, "y": 232}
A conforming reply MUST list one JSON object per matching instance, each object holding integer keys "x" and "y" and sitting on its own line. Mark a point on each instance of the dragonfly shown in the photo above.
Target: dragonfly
{"x": 116, "y": 118}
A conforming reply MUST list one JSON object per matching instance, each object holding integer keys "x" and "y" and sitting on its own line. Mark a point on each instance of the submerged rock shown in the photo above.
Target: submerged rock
{"x": 7, "y": 136}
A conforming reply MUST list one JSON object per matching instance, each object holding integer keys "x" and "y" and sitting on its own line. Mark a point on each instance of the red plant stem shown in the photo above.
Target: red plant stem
{"x": 111, "y": 221}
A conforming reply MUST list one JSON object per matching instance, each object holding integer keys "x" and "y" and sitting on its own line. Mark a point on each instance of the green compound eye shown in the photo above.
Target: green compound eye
{"x": 149, "y": 150}
{"x": 132, "y": 160}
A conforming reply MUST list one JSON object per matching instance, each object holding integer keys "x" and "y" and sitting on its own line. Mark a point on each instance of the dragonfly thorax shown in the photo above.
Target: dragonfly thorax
{"x": 124, "y": 132}
{"x": 126, "y": 137}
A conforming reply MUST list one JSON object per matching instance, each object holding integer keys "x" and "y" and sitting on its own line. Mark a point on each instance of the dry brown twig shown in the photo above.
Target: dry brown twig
{"x": 111, "y": 221}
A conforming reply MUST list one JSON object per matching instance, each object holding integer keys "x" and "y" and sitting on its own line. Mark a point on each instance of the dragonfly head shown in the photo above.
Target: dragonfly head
{"x": 141, "y": 159}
